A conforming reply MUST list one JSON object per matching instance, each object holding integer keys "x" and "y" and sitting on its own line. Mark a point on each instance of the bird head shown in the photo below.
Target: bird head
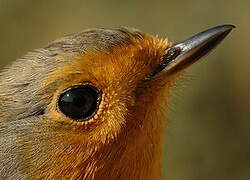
{"x": 93, "y": 104}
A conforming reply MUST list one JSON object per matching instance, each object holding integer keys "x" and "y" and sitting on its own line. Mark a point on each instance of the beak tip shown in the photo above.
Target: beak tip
{"x": 228, "y": 26}
{"x": 225, "y": 28}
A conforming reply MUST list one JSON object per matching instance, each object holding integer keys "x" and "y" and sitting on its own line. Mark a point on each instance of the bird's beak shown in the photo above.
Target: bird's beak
{"x": 185, "y": 53}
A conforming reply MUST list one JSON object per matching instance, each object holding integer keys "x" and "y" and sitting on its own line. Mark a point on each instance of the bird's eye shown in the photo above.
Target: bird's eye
{"x": 79, "y": 103}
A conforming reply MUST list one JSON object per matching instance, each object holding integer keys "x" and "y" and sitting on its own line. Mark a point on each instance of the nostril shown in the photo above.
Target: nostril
{"x": 170, "y": 56}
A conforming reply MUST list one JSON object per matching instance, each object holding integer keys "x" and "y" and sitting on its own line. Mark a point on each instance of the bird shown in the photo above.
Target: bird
{"x": 94, "y": 104}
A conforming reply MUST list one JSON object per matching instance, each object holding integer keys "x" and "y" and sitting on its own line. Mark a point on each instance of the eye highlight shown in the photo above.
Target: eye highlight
{"x": 79, "y": 103}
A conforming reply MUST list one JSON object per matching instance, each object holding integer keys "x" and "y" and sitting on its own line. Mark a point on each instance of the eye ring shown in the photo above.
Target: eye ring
{"x": 79, "y": 103}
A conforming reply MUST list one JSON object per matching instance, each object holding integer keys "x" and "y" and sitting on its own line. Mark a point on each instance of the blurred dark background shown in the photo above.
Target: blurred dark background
{"x": 208, "y": 133}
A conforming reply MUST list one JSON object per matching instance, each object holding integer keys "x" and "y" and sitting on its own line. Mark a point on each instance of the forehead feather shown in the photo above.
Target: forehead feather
{"x": 96, "y": 39}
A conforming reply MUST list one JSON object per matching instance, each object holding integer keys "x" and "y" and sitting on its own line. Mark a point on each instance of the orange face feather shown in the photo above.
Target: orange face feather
{"x": 121, "y": 116}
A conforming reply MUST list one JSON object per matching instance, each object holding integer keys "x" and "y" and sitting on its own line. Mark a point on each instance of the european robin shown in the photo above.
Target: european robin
{"x": 93, "y": 105}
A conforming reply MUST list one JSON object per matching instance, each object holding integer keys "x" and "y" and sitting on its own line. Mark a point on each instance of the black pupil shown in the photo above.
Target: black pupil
{"x": 79, "y": 103}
